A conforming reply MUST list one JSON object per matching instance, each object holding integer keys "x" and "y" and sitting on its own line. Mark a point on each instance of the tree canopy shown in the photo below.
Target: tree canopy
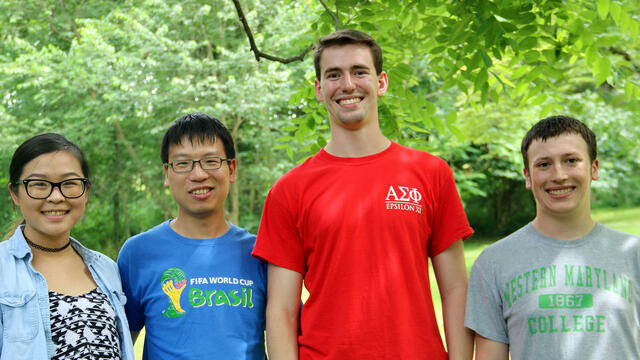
{"x": 467, "y": 78}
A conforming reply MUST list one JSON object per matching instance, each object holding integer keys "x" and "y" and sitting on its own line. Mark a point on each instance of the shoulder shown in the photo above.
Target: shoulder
{"x": 145, "y": 239}
{"x": 241, "y": 235}
{"x": 607, "y": 235}
{"x": 504, "y": 248}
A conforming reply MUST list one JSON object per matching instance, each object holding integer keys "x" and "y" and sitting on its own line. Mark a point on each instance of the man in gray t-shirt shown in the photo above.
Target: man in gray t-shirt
{"x": 562, "y": 287}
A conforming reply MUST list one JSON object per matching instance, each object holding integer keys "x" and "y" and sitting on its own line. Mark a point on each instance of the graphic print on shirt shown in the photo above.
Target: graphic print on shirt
{"x": 236, "y": 292}
{"x": 403, "y": 198}
{"x": 575, "y": 308}
{"x": 174, "y": 282}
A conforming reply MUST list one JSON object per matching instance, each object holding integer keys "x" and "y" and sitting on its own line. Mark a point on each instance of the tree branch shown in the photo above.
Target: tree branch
{"x": 259, "y": 54}
{"x": 120, "y": 135}
{"x": 334, "y": 16}
{"x": 625, "y": 55}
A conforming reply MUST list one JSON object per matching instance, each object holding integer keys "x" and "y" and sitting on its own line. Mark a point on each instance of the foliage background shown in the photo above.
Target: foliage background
{"x": 467, "y": 78}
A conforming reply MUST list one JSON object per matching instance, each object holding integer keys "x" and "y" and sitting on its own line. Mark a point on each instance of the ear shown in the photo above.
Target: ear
{"x": 383, "y": 83}
{"x": 14, "y": 196}
{"x": 527, "y": 178}
{"x": 318, "y": 87}
{"x": 594, "y": 169}
{"x": 232, "y": 171}
{"x": 166, "y": 175}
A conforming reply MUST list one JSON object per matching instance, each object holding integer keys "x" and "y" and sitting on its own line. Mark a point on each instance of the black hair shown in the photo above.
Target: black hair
{"x": 196, "y": 126}
{"x": 347, "y": 37}
{"x": 40, "y": 145}
{"x": 554, "y": 126}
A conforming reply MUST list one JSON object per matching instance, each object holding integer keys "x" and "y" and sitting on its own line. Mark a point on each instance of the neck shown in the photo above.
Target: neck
{"x": 356, "y": 143}
{"x": 200, "y": 227}
{"x": 46, "y": 241}
{"x": 564, "y": 228}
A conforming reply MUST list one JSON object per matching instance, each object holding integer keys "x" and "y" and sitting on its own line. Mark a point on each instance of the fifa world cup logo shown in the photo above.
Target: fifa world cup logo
{"x": 174, "y": 282}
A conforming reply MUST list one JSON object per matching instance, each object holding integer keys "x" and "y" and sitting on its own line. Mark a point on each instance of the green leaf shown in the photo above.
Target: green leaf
{"x": 438, "y": 124}
{"x": 603, "y": 8}
{"x": 528, "y": 43}
{"x": 592, "y": 54}
{"x": 602, "y": 70}
{"x": 631, "y": 91}
{"x": 486, "y": 59}
{"x": 457, "y": 133}
{"x": 615, "y": 10}
{"x": 452, "y": 117}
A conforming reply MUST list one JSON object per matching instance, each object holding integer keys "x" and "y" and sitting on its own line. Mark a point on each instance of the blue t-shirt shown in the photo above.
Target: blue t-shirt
{"x": 196, "y": 298}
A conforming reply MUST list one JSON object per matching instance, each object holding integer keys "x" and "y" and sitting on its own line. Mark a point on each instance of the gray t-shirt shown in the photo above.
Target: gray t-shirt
{"x": 555, "y": 299}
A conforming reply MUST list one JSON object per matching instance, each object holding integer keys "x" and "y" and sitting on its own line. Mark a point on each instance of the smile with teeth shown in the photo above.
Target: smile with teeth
{"x": 349, "y": 101}
{"x": 200, "y": 191}
{"x": 55, "y": 212}
{"x": 560, "y": 191}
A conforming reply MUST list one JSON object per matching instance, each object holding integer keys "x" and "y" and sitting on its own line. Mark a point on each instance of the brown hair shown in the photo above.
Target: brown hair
{"x": 554, "y": 126}
{"x": 346, "y": 37}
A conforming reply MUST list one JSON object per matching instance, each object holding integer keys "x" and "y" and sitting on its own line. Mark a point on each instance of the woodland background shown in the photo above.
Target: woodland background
{"x": 467, "y": 79}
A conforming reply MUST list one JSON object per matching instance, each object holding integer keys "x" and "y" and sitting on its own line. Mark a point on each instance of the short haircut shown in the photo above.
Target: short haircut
{"x": 347, "y": 37}
{"x": 40, "y": 145}
{"x": 198, "y": 127}
{"x": 555, "y": 126}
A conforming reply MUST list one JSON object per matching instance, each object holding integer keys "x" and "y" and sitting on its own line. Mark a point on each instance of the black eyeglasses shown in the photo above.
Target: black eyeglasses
{"x": 42, "y": 189}
{"x": 208, "y": 163}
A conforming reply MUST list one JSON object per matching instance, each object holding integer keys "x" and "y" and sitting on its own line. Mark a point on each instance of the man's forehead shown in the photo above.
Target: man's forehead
{"x": 561, "y": 144}
{"x": 335, "y": 57}
{"x": 196, "y": 143}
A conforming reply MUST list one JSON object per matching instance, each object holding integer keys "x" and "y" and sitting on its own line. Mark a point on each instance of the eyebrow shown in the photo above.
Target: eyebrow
{"x": 561, "y": 155}
{"x": 183, "y": 155}
{"x": 68, "y": 174}
{"x": 354, "y": 67}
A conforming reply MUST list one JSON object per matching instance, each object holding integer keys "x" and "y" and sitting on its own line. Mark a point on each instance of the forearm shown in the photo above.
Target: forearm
{"x": 459, "y": 339}
{"x": 282, "y": 334}
{"x": 283, "y": 309}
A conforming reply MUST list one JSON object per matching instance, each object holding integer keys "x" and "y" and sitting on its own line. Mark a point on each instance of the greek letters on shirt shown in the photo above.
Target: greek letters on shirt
{"x": 404, "y": 198}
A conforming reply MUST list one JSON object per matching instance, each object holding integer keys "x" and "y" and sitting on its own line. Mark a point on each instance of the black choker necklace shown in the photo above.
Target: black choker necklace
{"x": 40, "y": 247}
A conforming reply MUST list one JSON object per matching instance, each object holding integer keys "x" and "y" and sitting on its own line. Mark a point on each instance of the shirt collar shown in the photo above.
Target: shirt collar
{"x": 18, "y": 247}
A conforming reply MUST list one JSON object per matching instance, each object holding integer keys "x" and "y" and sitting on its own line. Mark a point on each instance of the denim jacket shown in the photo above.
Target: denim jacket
{"x": 25, "y": 328}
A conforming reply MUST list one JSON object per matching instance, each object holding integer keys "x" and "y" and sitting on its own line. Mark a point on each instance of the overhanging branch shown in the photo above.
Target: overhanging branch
{"x": 259, "y": 54}
{"x": 334, "y": 16}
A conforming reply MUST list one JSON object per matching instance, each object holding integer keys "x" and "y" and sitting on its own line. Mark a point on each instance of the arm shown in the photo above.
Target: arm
{"x": 490, "y": 350}
{"x": 284, "y": 288}
{"x": 451, "y": 274}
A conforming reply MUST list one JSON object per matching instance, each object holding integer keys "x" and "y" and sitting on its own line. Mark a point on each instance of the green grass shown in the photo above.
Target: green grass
{"x": 627, "y": 220}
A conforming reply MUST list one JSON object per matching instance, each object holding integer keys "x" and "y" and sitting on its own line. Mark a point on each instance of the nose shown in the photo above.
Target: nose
{"x": 56, "y": 195}
{"x": 198, "y": 173}
{"x": 559, "y": 173}
{"x": 347, "y": 83}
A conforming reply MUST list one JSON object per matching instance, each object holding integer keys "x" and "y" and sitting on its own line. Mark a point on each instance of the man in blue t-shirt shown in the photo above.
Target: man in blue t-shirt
{"x": 191, "y": 282}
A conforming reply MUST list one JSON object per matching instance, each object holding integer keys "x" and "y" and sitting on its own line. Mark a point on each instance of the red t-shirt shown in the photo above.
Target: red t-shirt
{"x": 360, "y": 231}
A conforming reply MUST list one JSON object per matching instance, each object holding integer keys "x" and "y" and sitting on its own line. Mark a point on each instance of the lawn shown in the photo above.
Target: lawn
{"x": 627, "y": 220}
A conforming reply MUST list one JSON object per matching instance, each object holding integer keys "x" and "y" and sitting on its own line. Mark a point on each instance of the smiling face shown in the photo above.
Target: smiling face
{"x": 560, "y": 174}
{"x": 50, "y": 220}
{"x": 199, "y": 193}
{"x": 349, "y": 86}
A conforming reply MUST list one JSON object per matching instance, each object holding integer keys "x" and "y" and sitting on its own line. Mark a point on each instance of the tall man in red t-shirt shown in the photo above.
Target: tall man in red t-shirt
{"x": 358, "y": 222}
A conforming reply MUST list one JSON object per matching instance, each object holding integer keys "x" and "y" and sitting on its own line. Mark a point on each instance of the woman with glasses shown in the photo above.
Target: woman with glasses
{"x": 58, "y": 299}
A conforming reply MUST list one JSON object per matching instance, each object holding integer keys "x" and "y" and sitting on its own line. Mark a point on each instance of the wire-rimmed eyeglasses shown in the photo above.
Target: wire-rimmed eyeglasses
{"x": 208, "y": 163}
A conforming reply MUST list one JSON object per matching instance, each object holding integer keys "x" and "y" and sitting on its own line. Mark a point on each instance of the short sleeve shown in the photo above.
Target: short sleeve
{"x": 450, "y": 222}
{"x": 133, "y": 308}
{"x": 279, "y": 242}
{"x": 484, "y": 313}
